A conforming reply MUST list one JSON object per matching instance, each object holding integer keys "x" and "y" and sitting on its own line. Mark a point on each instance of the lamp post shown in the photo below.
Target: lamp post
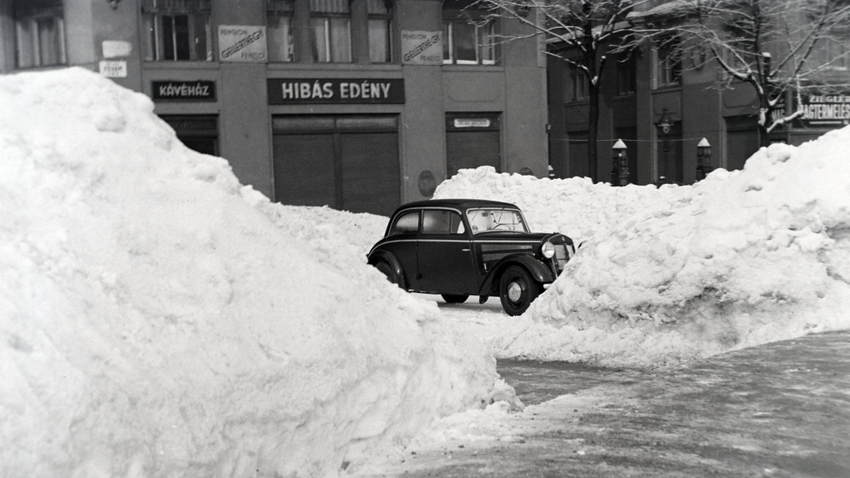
{"x": 703, "y": 159}
{"x": 619, "y": 164}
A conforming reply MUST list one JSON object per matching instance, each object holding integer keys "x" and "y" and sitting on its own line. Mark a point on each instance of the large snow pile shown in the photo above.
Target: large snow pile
{"x": 159, "y": 319}
{"x": 670, "y": 274}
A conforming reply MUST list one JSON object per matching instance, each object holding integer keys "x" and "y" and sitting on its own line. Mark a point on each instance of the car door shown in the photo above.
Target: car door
{"x": 445, "y": 255}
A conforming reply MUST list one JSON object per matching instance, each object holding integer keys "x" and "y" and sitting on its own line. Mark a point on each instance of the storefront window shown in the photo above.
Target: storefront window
{"x": 177, "y": 30}
{"x": 380, "y": 17}
{"x": 39, "y": 33}
{"x": 279, "y": 15}
{"x": 468, "y": 39}
{"x": 330, "y": 24}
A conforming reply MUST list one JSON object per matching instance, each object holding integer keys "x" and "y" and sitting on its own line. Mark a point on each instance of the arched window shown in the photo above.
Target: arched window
{"x": 39, "y": 33}
{"x": 468, "y": 36}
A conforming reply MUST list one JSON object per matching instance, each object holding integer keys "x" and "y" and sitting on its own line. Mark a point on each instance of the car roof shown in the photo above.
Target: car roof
{"x": 459, "y": 203}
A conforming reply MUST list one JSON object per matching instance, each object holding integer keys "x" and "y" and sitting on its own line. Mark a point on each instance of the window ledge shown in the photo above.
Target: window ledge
{"x": 666, "y": 88}
{"x": 473, "y": 68}
{"x": 180, "y": 65}
{"x": 336, "y": 67}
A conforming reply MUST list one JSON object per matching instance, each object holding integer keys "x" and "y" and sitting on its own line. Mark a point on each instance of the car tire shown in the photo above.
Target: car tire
{"x": 517, "y": 290}
{"x": 387, "y": 270}
{"x": 455, "y": 298}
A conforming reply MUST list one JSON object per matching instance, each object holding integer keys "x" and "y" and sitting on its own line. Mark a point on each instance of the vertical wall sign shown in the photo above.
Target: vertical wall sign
{"x": 240, "y": 43}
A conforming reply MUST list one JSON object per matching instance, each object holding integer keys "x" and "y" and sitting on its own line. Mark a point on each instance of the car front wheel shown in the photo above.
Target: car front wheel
{"x": 517, "y": 290}
{"x": 455, "y": 298}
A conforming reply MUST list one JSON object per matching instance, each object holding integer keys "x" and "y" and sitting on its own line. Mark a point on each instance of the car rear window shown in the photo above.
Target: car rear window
{"x": 405, "y": 223}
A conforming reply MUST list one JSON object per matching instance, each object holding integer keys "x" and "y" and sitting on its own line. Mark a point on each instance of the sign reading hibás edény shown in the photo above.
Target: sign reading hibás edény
{"x": 335, "y": 91}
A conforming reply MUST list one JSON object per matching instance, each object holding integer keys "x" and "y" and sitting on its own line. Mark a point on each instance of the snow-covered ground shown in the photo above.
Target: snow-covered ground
{"x": 683, "y": 272}
{"x": 160, "y": 319}
{"x": 157, "y": 318}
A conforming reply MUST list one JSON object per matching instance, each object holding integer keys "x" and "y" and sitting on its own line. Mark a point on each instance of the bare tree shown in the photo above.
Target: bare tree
{"x": 780, "y": 48}
{"x": 579, "y": 32}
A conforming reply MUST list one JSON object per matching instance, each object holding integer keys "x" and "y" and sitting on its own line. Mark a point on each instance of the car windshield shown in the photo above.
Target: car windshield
{"x": 493, "y": 219}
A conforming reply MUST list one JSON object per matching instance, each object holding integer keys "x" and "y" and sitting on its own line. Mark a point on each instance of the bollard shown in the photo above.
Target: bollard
{"x": 619, "y": 164}
{"x": 703, "y": 159}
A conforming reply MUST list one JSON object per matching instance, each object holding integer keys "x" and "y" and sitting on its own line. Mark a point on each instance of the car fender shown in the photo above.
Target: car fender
{"x": 538, "y": 270}
{"x": 395, "y": 265}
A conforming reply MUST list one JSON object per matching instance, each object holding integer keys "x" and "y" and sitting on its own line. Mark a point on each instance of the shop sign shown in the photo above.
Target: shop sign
{"x": 200, "y": 90}
{"x": 335, "y": 91}
{"x": 116, "y": 49}
{"x": 472, "y": 123}
{"x": 826, "y": 110}
{"x": 242, "y": 43}
{"x": 113, "y": 69}
{"x": 421, "y": 48}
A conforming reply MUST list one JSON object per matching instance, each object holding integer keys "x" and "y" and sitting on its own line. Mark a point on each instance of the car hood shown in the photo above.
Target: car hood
{"x": 523, "y": 236}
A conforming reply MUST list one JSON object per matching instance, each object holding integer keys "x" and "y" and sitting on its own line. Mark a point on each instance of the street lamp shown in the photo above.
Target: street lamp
{"x": 619, "y": 164}
{"x": 703, "y": 159}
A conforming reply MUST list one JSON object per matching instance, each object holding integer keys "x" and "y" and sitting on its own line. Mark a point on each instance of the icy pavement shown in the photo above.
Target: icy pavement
{"x": 777, "y": 410}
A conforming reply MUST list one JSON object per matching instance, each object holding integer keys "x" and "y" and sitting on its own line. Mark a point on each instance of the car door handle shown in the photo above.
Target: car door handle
{"x": 464, "y": 250}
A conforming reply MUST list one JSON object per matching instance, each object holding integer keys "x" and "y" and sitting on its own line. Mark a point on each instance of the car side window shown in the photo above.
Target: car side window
{"x": 441, "y": 222}
{"x": 406, "y": 223}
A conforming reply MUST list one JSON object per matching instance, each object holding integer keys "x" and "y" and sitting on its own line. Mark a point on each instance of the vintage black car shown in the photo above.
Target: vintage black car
{"x": 463, "y": 247}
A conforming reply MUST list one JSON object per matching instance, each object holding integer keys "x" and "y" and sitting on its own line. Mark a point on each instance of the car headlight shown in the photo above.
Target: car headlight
{"x": 547, "y": 249}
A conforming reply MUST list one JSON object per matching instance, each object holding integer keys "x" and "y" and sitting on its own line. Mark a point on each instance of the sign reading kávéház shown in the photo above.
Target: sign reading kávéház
{"x": 243, "y": 43}
{"x": 335, "y": 91}
{"x": 200, "y": 90}
{"x": 826, "y": 110}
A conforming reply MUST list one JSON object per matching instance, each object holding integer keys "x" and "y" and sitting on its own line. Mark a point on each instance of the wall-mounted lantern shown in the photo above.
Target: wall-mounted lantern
{"x": 665, "y": 124}
{"x": 703, "y": 159}
{"x": 619, "y": 164}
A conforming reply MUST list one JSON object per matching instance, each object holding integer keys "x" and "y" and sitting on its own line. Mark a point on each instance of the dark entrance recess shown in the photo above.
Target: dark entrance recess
{"x": 346, "y": 162}
{"x": 670, "y": 155}
{"x": 742, "y": 140}
{"x": 472, "y": 140}
{"x": 197, "y": 132}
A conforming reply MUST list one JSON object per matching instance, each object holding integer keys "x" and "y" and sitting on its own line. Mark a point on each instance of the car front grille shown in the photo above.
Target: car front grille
{"x": 562, "y": 255}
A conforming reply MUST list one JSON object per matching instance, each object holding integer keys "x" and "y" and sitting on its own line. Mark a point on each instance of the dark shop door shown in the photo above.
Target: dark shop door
{"x": 304, "y": 169}
{"x": 472, "y": 140}
{"x": 349, "y": 163}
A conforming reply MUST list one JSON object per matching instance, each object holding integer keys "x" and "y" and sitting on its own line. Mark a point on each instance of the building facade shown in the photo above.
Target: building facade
{"x": 662, "y": 105}
{"x": 356, "y": 104}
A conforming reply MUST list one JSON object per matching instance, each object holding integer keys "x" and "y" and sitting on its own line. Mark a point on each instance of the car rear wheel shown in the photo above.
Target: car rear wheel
{"x": 387, "y": 271}
{"x": 517, "y": 290}
{"x": 455, "y": 298}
